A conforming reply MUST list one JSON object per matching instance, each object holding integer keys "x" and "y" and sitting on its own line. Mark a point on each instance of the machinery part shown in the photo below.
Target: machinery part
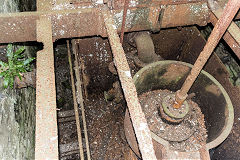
{"x": 124, "y": 19}
{"x": 46, "y": 134}
{"x": 231, "y": 36}
{"x": 172, "y": 114}
{"x": 217, "y": 33}
{"x": 76, "y": 20}
{"x": 145, "y": 48}
{"x": 80, "y": 95}
{"x": 79, "y": 130}
{"x": 216, "y": 106}
{"x": 139, "y": 122}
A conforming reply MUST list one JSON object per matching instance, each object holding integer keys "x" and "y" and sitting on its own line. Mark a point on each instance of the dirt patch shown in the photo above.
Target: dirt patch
{"x": 189, "y": 135}
{"x": 105, "y": 128}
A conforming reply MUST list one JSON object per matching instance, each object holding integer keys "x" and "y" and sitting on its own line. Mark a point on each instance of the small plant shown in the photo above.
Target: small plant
{"x": 16, "y": 65}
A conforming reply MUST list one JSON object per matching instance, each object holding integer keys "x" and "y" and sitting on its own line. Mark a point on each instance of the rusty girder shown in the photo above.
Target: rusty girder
{"x": 74, "y": 19}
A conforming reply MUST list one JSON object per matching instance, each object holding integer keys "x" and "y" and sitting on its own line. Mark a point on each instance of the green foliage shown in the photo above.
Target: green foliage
{"x": 16, "y": 65}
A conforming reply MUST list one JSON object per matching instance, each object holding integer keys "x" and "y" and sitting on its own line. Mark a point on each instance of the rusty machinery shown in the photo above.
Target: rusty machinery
{"x": 72, "y": 18}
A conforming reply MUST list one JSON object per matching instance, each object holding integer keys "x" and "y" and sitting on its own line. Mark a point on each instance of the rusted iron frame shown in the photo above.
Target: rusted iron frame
{"x": 222, "y": 4}
{"x": 229, "y": 36}
{"x": 217, "y": 33}
{"x": 118, "y": 4}
{"x": 197, "y": 13}
{"x": 138, "y": 118}
{"x": 75, "y": 104}
{"x": 80, "y": 94}
{"x": 155, "y": 17}
{"x": 176, "y": 2}
{"x": 125, "y": 8}
{"x": 21, "y": 27}
{"x": 46, "y": 134}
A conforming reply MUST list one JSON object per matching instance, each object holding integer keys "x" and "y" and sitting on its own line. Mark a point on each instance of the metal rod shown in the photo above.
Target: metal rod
{"x": 80, "y": 96}
{"x": 46, "y": 133}
{"x": 139, "y": 122}
{"x": 217, "y": 33}
{"x": 232, "y": 36}
{"x": 79, "y": 133}
{"x": 124, "y": 19}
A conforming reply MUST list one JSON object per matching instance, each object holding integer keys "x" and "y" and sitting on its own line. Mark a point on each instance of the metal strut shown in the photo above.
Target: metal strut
{"x": 138, "y": 118}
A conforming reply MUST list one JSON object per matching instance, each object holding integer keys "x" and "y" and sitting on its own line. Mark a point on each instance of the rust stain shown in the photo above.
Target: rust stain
{"x": 124, "y": 19}
{"x": 185, "y": 14}
{"x": 77, "y": 19}
{"x": 217, "y": 33}
{"x": 233, "y": 43}
{"x": 138, "y": 118}
{"x": 154, "y": 14}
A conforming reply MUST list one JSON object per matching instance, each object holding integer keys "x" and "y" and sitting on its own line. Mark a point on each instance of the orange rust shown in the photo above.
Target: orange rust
{"x": 217, "y": 33}
{"x": 124, "y": 19}
{"x": 178, "y": 104}
{"x": 229, "y": 39}
{"x": 79, "y": 22}
{"x": 117, "y": 4}
{"x": 185, "y": 14}
{"x": 153, "y": 16}
{"x": 139, "y": 121}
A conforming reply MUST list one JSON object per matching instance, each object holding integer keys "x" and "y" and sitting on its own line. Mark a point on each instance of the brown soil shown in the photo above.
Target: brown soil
{"x": 189, "y": 135}
{"x": 105, "y": 129}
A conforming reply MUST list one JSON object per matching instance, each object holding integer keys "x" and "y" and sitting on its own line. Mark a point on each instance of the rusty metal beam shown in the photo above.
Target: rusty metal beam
{"x": 185, "y": 14}
{"x": 220, "y": 28}
{"x": 117, "y": 4}
{"x": 21, "y": 27}
{"x": 46, "y": 134}
{"x": 138, "y": 118}
{"x": 222, "y": 4}
{"x": 79, "y": 20}
{"x": 232, "y": 36}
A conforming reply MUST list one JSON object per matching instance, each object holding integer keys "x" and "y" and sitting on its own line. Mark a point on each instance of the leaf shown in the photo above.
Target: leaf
{"x": 11, "y": 81}
{"x": 19, "y": 76}
{"x": 5, "y": 82}
{"x": 19, "y": 51}
{"x": 10, "y": 51}
{"x": 10, "y": 64}
{"x": 21, "y": 69}
{"x": 3, "y": 64}
{"x": 16, "y": 65}
{"x": 27, "y": 61}
{"x": 3, "y": 74}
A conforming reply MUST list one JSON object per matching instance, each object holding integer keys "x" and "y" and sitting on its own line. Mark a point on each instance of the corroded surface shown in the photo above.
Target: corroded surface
{"x": 217, "y": 33}
{"x": 46, "y": 143}
{"x": 139, "y": 122}
{"x": 189, "y": 13}
{"x": 77, "y": 19}
{"x": 232, "y": 36}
